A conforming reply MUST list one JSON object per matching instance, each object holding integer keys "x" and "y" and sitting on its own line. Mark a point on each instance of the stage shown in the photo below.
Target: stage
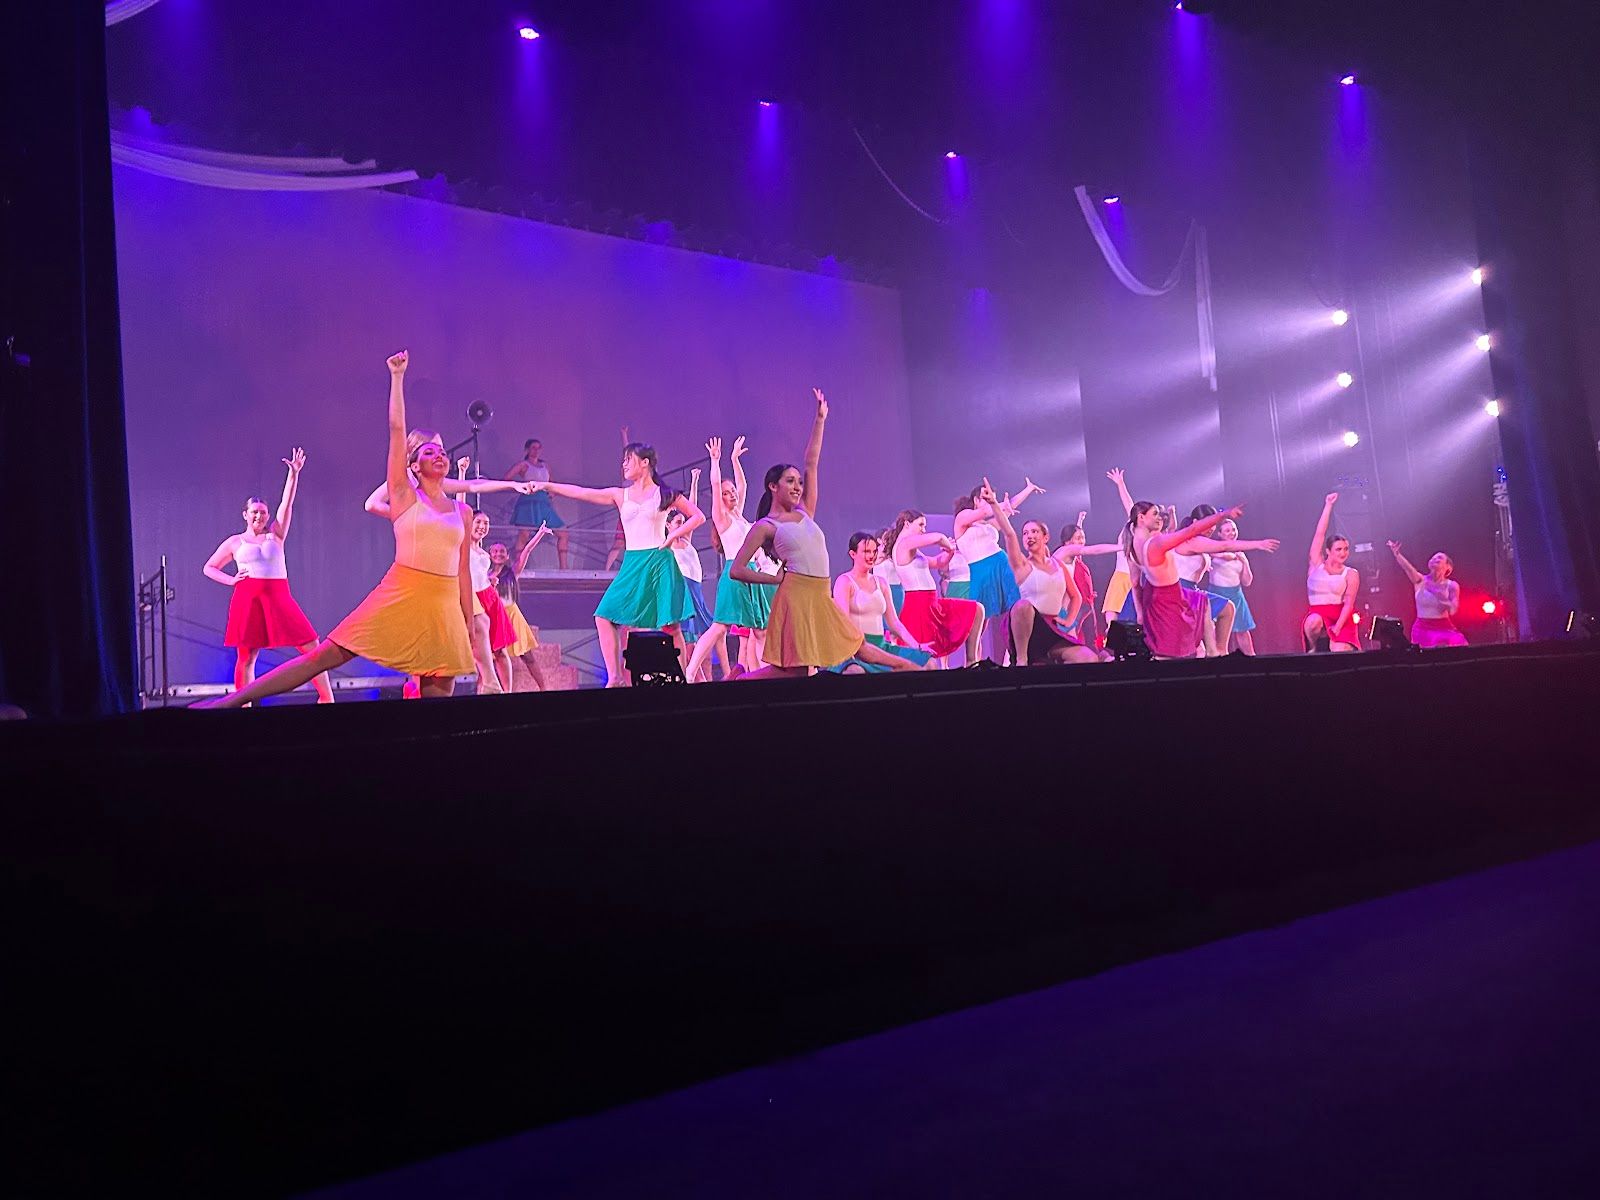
{"x": 269, "y": 950}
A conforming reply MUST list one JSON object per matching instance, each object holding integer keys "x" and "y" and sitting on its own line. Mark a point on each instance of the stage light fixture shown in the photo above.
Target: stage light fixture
{"x": 951, "y": 154}
{"x": 1477, "y": 276}
{"x": 1492, "y": 408}
{"x": 1351, "y": 438}
{"x": 1125, "y": 641}
{"x": 1340, "y": 317}
{"x": 1580, "y": 624}
{"x": 1348, "y": 80}
{"x": 528, "y": 33}
{"x": 1390, "y": 634}
{"x": 1485, "y": 342}
{"x": 1489, "y": 608}
{"x": 652, "y": 659}
{"x": 765, "y": 103}
{"x": 1112, "y": 200}
{"x": 1344, "y": 379}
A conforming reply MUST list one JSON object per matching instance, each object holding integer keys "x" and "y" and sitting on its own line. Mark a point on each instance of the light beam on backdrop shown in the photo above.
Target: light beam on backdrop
{"x": 955, "y": 179}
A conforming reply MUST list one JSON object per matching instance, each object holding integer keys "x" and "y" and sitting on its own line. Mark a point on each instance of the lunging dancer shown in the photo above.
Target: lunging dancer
{"x": 1332, "y": 587}
{"x": 416, "y": 620}
{"x": 940, "y": 623}
{"x": 864, "y": 597}
{"x": 1438, "y": 600}
{"x": 993, "y": 583}
{"x": 806, "y": 630}
{"x": 261, "y": 612}
{"x": 739, "y": 605}
{"x": 534, "y": 510}
{"x": 648, "y": 592}
{"x": 505, "y": 574}
{"x": 1038, "y": 631}
{"x": 1230, "y": 575}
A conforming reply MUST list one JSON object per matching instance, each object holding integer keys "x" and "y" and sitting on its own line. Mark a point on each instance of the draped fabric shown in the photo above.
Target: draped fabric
{"x": 120, "y": 10}
{"x": 1196, "y": 251}
{"x": 67, "y": 642}
{"x": 250, "y": 172}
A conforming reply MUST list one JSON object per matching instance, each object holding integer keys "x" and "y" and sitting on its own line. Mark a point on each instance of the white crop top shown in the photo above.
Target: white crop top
{"x": 915, "y": 575}
{"x": 958, "y": 571}
{"x": 644, "y": 522}
{"x": 979, "y": 541}
{"x": 688, "y": 561}
{"x": 478, "y": 563}
{"x": 1190, "y": 566}
{"x": 887, "y": 570}
{"x": 426, "y": 539}
{"x": 1433, "y": 599}
{"x": 1045, "y": 590}
{"x": 801, "y": 546}
{"x": 1322, "y": 587}
{"x": 1227, "y": 570}
{"x": 867, "y": 607}
{"x": 261, "y": 560}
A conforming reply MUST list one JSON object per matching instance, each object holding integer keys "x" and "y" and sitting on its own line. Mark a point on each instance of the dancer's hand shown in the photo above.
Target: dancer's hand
{"x": 1270, "y": 545}
{"x": 738, "y": 447}
{"x": 523, "y": 488}
{"x": 1394, "y": 548}
{"x": 625, "y": 438}
{"x": 296, "y": 460}
{"x": 822, "y": 404}
{"x": 536, "y": 485}
{"x": 398, "y": 362}
{"x": 714, "y": 449}
{"x": 1330, "y": 499}
{"x": 986, "y": 493}
{"x": 1115, "y": 475}
{"x": 1038, "y": 491}
{"x": 1083, "y": 515}
{"x": 462, "y": 464}
{"x": 947, "y": 543}
{"x": 1234, "y": 513}
{"x": 694, "y": 474}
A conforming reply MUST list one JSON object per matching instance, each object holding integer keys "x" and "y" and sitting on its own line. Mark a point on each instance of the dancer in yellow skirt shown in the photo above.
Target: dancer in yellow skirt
{"x": 416, "y": 620}
{"x": 806, "y": 629}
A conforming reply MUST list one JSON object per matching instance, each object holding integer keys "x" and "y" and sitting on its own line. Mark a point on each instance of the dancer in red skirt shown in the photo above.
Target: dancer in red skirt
{"x": 1169, "y": 612}
{"x": 941, "y": 624}
{"x": 492, "y": 631}
{"x": 1332, "y": 587}
{"x": 262, "y": 612}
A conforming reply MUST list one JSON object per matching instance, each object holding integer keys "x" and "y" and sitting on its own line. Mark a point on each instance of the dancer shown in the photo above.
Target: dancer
{"x": 992, "y": 584}
{"x": 940, "y": 623}
{"x": 492, "y": 631}
{"x": 739, "y": 605}
{"x": 648, "y": 592}
{"x": 506, "y": 582}
{"x": 805, "y": 630}
{"x": 1230, "y": 575}
{"x": 886, "y": 570}
{"x": 1438, "y": 600}
{"x": 698, "y": 623}
{"x": 1075, "y": 548}
{"x": 1194, "y": 573}
{"x": 1047, "y": 588}
{"x": 864, "y": 597}
{"x": 534, "y": 509}
{"x": 1120, "y": 603}
{"x": 1332, "y": 587}
{"x": 261, "y": 612}
{"x": 377, "y": 503}
{"x": 416, "y": 620}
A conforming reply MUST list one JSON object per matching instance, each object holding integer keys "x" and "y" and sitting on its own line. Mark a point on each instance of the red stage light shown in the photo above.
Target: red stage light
{"x": 1489, "y": 607}
{"x": 1356, "y": 617}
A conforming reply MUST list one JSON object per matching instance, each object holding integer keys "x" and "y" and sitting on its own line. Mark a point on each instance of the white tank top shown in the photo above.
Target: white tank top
{"x": 1433, "y": 599}
{"x": 734, "y": 535}
{"x": 867, "y": 607}
{"x": 980, "y": 541}
{"x": 801, "y": 546}
{"x": 1322, "y": 587}
{"x": 428, "y": 540}
{"x": 1122, "y": 563}
{"x": 644, "y": 522}
{"x": 536, "y": 472}
{"x": 688, "y": 562}
{"x": 958, "y": 571}
{"x": 478, "y": 563}
{"x": 1190, "y": 566}
{"x": 261, "y": 560}
{"x": 915, "y": 575}
{"x": 887, "y": 570}
{"x": 1046, "y": 590}
{"x": 1226, "y": 571}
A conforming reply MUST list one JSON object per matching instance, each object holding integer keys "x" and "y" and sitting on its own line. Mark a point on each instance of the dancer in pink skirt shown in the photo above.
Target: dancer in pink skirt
{"x": 1170, "y": 613}
{"x": 1438, "y": 600}
{"x": 262, "y": 613}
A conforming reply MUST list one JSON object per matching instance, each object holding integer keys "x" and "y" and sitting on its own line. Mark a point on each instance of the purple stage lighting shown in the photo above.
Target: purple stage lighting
{"x": 951, "y": 154}
{"x": 1340, "y": 317}
{"x": 1344, "y": 379}
{"x": 1348, "y": 81}
{"x": 1477, "y": 276}
{"x": 1113, "y": 200}
{"x": 1492, "y": 408}
{"x": 1351, "y": 438}
{"x": 528, "y": 33}
{"x": 765, "y": 103}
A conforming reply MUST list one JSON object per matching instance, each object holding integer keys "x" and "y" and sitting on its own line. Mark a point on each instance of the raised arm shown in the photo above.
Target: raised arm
{"x": 378, "y": 503}
{"x": 740, "y": 485}
{"x": 1012, "y": 503}
{"x": 401, "y": 494}
{"x": 522, "y": 559}
{"x": 1317, "y": 538}
{"x": 691, "y": 510}
{"x": 295, "y": 461}
{"x": 759, "y": 538}
{"x": 694, "y": 489}
{"x": 1165, "y": 542}
{"x": 719, "y": 510}
{"x": 814, "y": 453}
{"x": 1020, "y": 566}
{"x": 1405, "y": 564}
{"x": 1117, "y": 477}
{"x": 213, "y": 568}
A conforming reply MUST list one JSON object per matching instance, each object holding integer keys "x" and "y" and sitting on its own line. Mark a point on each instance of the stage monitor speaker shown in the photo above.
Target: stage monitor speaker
{"x": 652, "y": 659}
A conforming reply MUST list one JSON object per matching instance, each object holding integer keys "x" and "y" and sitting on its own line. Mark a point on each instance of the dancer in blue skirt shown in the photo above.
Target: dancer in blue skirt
{"x": 993, "y": 585}
{"x": 648, "y": 592}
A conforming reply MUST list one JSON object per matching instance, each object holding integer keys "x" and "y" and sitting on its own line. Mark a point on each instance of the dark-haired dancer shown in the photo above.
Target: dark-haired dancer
{"x": 416, "y": 620}
{"x": 806, "y": 630}
{"x": 1438, "y": 600}
{"x": 700, "y": 622}
{"x": 505, "y": 574}
{"x": 492, "y": 631}
{"x": 1332, "y": 587}
{"x": 534, "y": 510}
{"x": 941, "y": 623}
{"x": 864, "y": 597}
{"x": 261, "y": 612}
{"x": 1075, "y": 548}
{"x": 1038, "y": 633}
{"x": 1194, "y": 573}
{"x": 648, "y": 592}
{"x": 992, "y": 582}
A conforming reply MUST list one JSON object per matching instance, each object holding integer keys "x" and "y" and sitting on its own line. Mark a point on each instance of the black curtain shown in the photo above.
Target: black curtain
{"x": 1527, "y": 237}
{"x": 67, "y": 621}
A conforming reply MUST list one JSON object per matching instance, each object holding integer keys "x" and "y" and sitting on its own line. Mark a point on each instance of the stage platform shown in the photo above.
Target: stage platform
{"x": 261, "y": 951}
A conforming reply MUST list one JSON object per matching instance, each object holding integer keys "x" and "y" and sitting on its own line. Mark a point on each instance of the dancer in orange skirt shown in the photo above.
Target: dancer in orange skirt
{"x": 416, "y": 620}
{"x": 261, "y": 612}
{"x": 806, "y": 630}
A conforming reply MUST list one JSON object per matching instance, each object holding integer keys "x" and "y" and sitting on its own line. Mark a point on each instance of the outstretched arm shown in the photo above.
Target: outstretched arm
{"x": 401, "y": 494}
{"x": 1163, "y": 543}
{"x": 1405, "y": 564}
{"x": 1076, "y": 551}
{"x": 588, "y": 495}
{"x": 1205, "y": 545}
{"x": 295, "y": 461}
{"x": 759, "y": 538}
{"x": 814, "y": 453}
{"x": 213, "y": 568}
{"x": 1317, "y": 538}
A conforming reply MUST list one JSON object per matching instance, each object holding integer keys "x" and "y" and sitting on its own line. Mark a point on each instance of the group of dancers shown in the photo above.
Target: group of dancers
{"x": 449, "y": 606}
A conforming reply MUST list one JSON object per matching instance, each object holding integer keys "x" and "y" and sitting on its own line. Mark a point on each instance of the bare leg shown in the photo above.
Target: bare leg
{"x": 437, "y": 687}
{"x": 563, "y": 541}
{"x": 535, "y": 671}
{"x": 244, "y": 668}
{"x": 709, "y": 640}
{"x": 607, "y": 633}
{"x": 1225, "y": 627}
{"x": 320, "y": 682}
{"x": 1021, "y": 630}
{"x": 882, "y": 658}
{"x": 974, "y": 636}
{"x": 1343, "y": 648}
{"x": 285, "y": 678}
{"x": 771, "y": 672}
{"x": 1313, "y": 631}
{"x": 502, "y": 668}
{"x": 1246, "y": 642}
{"x": 484, "y": 657}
